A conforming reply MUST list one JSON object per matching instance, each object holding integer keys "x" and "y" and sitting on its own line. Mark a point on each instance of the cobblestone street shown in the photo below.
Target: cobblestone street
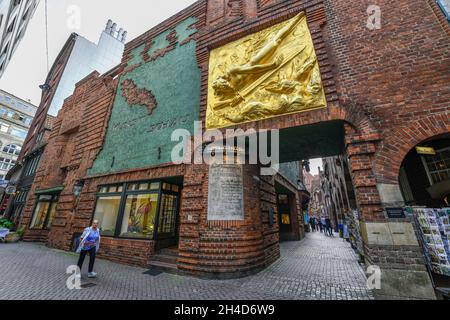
{"x": 316, "y": 268}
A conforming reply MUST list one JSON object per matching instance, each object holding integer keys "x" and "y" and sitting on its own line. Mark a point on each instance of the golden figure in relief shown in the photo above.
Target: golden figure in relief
{"x": 269, "y": 73}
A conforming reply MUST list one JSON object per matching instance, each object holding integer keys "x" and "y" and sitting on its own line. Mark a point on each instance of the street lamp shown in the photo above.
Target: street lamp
{"x": 45, "y": 87}
{"x": 77, "y": 188}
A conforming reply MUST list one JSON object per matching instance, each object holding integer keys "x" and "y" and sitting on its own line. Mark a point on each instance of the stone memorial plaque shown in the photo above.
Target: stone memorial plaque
{"x": 226, "y": 193}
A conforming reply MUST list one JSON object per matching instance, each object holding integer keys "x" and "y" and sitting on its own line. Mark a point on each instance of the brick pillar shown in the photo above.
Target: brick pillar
{"x": 360, "y": 153}
{"x": 226, "y": 249}
{"x": 390, "y": 244}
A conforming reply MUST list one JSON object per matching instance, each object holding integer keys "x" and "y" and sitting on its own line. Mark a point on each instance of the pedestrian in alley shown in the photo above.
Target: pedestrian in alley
{"x": 320, "y": 226}
{"x": 89, "y": 244}
{"x": 324, "y": 225}
{"x": 329, "y": 227}
{"x": 312, "y": 222}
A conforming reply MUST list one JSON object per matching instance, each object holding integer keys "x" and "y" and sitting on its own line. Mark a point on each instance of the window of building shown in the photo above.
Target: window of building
{"x": 44, "y": 212}
{"x": 12, "y": 149}
{"x": 19, "y": 133}
{"x": 139, "y": 216}
{"x": 6, "y": 164}
{"x": 106, "y": 212}
{"x": 19, "y": 203}
{"x": 168, "y": 218}
{"x": 4, "y": 127}
{"x": 32, "y": 165}
{"x": 131, "y": 210}
{"x": 438, "y": 166}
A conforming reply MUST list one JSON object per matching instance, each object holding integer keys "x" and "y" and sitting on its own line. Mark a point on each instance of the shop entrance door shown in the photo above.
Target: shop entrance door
{"x": 167, "y": 229}
{"x": 284, "y": 216}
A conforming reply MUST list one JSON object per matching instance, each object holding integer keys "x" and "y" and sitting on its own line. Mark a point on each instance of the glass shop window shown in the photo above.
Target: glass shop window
{"x": 106, "y": 213}
{"x": 130, "y": 210}
{"x": 44, "y": 212}
{"x": 168, "y": 216}
{"x": 139, "y": 216}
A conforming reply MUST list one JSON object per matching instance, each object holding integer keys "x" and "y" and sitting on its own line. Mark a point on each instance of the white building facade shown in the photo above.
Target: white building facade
{"x": 14, "y": 18}
{"x": 16, "y": 116}
{"x": 87, "y": 57}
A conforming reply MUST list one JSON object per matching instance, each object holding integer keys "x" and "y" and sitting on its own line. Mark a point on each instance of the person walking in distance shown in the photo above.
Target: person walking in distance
{"x": 320, "y": 225}
{"x": 329, "y": 227}
{"x": 89, "y": 244}
{"x": 324, "y": 225}
{"x": 312, "y": 222}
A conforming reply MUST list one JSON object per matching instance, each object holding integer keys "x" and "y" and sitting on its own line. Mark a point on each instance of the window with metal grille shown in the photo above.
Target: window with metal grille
{"x": 438, "y": 166}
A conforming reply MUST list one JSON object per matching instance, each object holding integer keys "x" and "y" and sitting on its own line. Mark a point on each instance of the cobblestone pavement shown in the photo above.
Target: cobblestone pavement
{"x": 316, "y": 268}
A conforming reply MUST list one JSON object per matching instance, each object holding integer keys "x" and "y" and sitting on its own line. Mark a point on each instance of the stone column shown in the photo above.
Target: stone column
{"x": 217, "y": 244}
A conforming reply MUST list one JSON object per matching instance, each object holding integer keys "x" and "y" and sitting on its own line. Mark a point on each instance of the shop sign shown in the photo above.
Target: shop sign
{"x": 395, "y": 213}
{"x": 426, "y": 150}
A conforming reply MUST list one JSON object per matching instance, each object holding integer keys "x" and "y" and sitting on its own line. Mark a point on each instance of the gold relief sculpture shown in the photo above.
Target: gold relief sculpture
{"x": 266, "y": 74}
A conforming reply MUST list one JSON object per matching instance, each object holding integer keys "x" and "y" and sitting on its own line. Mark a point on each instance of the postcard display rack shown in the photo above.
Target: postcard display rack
{"x": 434, "y": 229}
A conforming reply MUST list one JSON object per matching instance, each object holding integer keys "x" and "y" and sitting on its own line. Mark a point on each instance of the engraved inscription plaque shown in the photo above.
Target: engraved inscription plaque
{"x": 226, "y": 193}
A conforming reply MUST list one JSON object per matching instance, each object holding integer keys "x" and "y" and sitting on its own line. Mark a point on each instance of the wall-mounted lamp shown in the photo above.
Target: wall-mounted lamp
{"x": 45, "y": 87}
{"x": 77, "y": 188}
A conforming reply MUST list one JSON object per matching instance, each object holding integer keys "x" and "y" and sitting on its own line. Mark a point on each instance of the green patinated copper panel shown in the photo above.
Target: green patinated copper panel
{"x": 153, "y": 99}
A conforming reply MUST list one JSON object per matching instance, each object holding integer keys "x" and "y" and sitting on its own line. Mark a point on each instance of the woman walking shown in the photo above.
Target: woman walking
{"x": 90, "y": 243}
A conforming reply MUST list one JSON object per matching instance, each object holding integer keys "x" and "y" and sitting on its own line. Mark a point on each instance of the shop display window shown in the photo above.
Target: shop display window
{"x": 135, "y": 210}
{"x": 106, "y": 213}
{"x": 139, "y": 216}
{"x": 44, "y": 212}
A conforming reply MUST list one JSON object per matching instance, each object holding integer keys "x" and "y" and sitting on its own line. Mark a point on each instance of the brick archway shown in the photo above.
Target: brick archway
{"x": 399, "y": 142}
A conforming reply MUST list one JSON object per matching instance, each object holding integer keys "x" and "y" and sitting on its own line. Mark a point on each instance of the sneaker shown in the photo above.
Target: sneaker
{"x": 92, "y": 275}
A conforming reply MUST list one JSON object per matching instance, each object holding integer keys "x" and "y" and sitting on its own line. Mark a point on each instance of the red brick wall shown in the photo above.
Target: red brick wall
{"x": 70, "y": 152}
{"x": 225, "y": 247}
{"x": 40, "y": 121}
{"x": 138, "y": 251}
{"x": 398, "y": 75}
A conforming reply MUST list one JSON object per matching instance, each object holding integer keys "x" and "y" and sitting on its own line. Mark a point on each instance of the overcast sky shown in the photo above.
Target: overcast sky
{"x": 28, "y": 68}
{"x": 314, "y": 165}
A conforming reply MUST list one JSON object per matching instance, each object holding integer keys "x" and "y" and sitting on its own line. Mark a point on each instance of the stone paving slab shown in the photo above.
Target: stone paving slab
{"x": 316, "y": 268}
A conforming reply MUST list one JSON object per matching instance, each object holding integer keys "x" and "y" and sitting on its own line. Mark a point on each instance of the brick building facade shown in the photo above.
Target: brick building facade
{"x": 386, "y": 90}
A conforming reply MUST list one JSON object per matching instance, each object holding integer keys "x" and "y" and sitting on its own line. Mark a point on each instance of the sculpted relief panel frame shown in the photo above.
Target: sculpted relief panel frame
{"x": 270, "y": 73}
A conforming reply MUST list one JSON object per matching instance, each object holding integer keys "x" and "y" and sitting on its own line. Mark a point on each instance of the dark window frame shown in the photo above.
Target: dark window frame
{"x": 123, "y": 199}
{"x": 54, "y": 199}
